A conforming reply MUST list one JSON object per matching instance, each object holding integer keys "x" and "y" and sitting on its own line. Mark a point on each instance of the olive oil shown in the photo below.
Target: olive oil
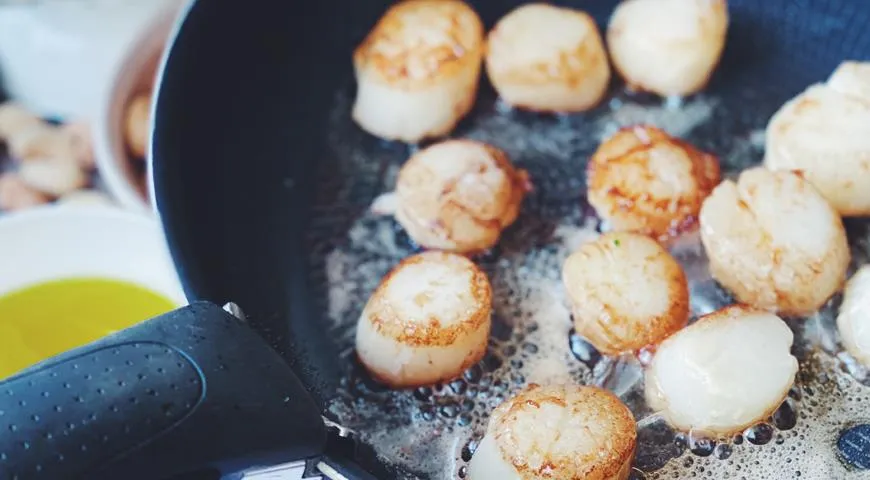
{"x": 45, "y": 319}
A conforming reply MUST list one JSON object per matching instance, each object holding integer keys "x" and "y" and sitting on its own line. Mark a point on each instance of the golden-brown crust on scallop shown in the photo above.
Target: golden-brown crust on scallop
{"x": 381, "y": 312}
{"x": 759, "y": 266}
{"x": 417, "y": 42}
{"x": 626, "y": 326}
{"x": 438, "y": 211}
{"x": 572, "y": 65}
{"x": 595, "y": 409}
{"x": 622, "y": 182}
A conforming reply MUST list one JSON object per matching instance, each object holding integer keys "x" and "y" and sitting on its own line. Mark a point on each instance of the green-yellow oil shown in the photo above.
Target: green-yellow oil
{"x": 45, "y": 319}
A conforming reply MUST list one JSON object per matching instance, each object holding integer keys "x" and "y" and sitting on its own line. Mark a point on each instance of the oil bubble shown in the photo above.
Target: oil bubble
{"x": 760, "y": 434}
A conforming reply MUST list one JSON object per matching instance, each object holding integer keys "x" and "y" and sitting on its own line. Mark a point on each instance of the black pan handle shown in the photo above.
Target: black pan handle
{"x": 192, "y": 389}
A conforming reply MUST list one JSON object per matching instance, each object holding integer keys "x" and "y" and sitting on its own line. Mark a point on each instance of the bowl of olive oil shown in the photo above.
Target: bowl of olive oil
{"x": 72, "y": 275}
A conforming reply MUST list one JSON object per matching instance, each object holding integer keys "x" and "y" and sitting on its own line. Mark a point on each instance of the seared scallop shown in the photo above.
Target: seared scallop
{"x": 427, "y": 321}
{"x": 725, "y": 372}
{"x": 458, "y": 196}
{"x": 417, "y": 71}
{"x": 595, "y": 278}
{"x": 547, "y": 58}
{"x": 825, "y": 133}
{"x": 774, "y": 241}
{"x": 557, "y": 432}
{"x": 643, "y": 180}
{"x": 853, "y": 322}
{"x": 667, "y": 47}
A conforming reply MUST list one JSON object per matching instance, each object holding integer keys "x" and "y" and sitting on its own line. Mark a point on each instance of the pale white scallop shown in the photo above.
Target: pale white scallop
{"x": 774, "y": 242}
{"x": 44, "y": 140}
{"x": 824, "y": 132}
{"x": 427, "y": 321}
{"x": 547, "y": 58}
{"x": 642, "y": 180}
{"x": 458, "y": 195}
{"x": 557, "y": 432}
{"x": 851, "y": 78}
{"x": 668, "y": 47}
{"x": 86, "y": 197}
{"x": 725, "y": 372}
{"x": 417, "y": 71}
{"x": 53, "y": 176}
{"x": 853, "y": 322}
{"x": 595, "y": 278}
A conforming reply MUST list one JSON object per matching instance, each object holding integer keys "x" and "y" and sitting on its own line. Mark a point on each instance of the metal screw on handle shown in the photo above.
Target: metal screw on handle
{"x": 235, "y": 310}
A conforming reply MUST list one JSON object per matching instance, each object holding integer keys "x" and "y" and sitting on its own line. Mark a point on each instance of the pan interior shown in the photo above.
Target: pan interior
{"x": 270, "y": 182}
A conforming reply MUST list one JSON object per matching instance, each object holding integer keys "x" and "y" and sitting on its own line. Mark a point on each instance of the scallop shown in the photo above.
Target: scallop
{"x": 667, "y": 47}
{"x": 774, "y": 242}
{"x": 547, "y": 58}
{"x": 45, "y": 140}
{"x": 14, "y": 119}
{"x": 458, "y": 195}
{"x": 428, "y": 321}
{"x": 557, "y": 431}
{"x": 136, "y": 124}
{"x": 643, "y": 180}
{"x": 53, "y": 177}
{"x": 851, "y": 78}
{"x": 417, "y": 71}
{"x": 80, "y": 143}
{"x": 595, "y": 278}
{"x": 87, "y": 197}
{"x": 853, "y": 322}
{"x": 825, "y": 133}
{"x": 15, "y": 194}
{"x": 725, "y": 372}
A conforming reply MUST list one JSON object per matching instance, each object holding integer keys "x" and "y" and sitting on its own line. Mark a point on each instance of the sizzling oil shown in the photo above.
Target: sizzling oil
{"x": 432, "y": 432}
{"x": 43, "y": 320}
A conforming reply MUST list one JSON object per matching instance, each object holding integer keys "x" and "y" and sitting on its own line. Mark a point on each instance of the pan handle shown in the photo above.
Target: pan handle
{"x": 193, "y": 389}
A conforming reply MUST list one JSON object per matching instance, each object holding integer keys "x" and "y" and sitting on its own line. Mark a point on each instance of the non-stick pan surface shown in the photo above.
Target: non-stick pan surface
{"x": 263, "y": 184}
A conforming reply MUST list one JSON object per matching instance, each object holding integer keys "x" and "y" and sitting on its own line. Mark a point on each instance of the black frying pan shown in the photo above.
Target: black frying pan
{"x": 259, "y": 174}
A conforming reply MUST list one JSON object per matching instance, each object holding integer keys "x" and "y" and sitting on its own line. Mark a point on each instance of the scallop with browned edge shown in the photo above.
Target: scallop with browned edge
{"x": 417, "y": 71}
{"x": 557, "y": 432}
{"x": 547, "y": 58}
{"x": 774, "y": 241}
{"x": 613, "y": 321}
{"x": 824, "y": 132}
{"x": 643, "y": 180}
{"x": 427, "y": 321}
{"x": 458, "y": 196}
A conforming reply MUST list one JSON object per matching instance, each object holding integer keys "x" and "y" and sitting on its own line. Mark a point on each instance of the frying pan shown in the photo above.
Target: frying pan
{"x": 260, "y": 177}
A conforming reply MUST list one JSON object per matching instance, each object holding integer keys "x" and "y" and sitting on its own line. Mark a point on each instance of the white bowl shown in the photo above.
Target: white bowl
{"x": 125, "y": 177}
{"x": 56, "y": 56}
{"x": 60, "y": 241}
